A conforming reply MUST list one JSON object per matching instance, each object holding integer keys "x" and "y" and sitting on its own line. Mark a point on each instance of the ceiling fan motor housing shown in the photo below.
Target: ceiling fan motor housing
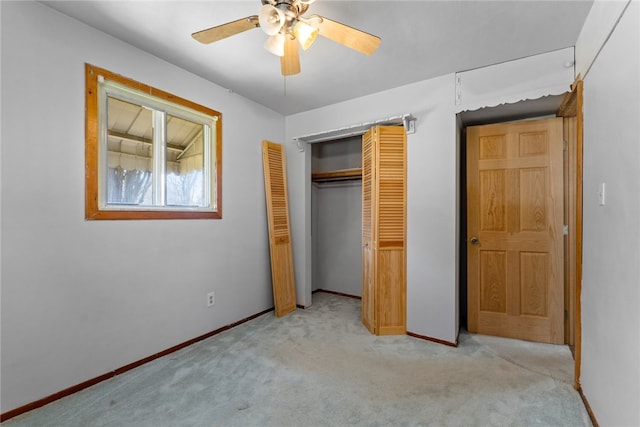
{"x": 298, "y": 7}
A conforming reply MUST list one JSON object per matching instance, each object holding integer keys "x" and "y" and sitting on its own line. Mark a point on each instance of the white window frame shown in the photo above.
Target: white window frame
{"x": 160, "y": 109}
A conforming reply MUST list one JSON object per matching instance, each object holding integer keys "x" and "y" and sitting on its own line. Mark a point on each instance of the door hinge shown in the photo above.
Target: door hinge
{"x": 564, "y": 145}
{"x": 565, "y": 230}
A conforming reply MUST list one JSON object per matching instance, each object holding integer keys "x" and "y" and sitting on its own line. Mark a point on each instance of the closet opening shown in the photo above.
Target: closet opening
{"x": 357, "y": 220}
{"x": 336, "y": 216}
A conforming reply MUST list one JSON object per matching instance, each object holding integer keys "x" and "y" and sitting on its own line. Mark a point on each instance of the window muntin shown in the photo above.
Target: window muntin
{"x": 156, "y": 155}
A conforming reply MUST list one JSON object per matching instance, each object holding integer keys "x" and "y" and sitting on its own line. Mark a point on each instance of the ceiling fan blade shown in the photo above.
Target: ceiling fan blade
{"x": 220, "y": 32}
{"x": 290, "y": 62}
{"x": 351, "y": 37}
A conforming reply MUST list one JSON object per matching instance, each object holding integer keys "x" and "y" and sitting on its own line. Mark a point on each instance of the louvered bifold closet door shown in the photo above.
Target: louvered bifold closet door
{"x": 384, "y": 306}
{"x": 275, "y": 180}
{"x": 368, "y": 246}
{"x": 390, "y": 204}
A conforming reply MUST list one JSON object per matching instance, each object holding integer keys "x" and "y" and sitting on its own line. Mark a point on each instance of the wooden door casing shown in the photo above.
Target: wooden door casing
{"x": 275, "y": 179}
{"x": 515, "y": 210}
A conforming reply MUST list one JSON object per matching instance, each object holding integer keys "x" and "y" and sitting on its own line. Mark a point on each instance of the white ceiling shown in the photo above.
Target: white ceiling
{"x": 420, "y": 40}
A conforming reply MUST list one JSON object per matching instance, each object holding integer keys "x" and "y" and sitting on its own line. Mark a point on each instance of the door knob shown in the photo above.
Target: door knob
{"x": 474, "y": 240}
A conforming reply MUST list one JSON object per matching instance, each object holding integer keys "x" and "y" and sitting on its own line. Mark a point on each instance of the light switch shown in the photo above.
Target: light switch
{"x": 603, "y": 193}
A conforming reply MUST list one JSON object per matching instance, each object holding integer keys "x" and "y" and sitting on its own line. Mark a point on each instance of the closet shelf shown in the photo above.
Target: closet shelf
{"x": 337, "y": 175}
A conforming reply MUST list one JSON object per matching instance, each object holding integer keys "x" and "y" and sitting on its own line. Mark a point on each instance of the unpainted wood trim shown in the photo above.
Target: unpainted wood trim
{"x": 569, "y": 105}
{"x": 576, "y": 97}
{"x": 92, "y": 210}
{"x": 337, "y": 175}
{"x": 150, "y": 90}
{"x": 587, "y": 406}
{"x": 578, "y": 87}
{"x": 436, "y": 340}
{"x": 91, "y": 142}
{"x": 570, "y": 221}
{"x": 93, "y": 381}
{"x": 338, "y": 293}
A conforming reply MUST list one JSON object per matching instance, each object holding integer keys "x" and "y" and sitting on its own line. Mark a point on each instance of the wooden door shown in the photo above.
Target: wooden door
{"x": 515, "y": 230}
{"x": 384, "y": 230}
{"x": 391, "y": 214}
{"x": 275, "y": 181}
{"x": 368, "y": 239}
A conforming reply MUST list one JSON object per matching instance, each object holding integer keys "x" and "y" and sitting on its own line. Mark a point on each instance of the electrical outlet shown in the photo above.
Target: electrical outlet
{"x": 211, "y": 299}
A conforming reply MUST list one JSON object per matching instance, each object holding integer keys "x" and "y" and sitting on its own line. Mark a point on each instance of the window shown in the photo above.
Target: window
{"x": 149, "y": 154}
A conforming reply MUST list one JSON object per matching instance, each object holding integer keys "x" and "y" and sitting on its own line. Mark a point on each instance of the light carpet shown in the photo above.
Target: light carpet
{"x": 321, "y": 367}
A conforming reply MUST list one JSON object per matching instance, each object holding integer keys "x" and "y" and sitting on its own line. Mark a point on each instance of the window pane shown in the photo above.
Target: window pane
{"x": 185, "y": 162}
{"x": 129, "y": 153}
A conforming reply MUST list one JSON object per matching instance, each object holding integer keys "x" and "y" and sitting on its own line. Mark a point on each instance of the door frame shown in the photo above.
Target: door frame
{"x": 570, "y": 107}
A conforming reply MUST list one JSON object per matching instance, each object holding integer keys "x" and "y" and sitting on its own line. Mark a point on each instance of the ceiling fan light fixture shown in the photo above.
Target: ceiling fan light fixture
{"x": 284, "y": 22}
{"x": 271, "y": 19}
{"x": 275, "y": 44}
{"x": 305, "y": 33}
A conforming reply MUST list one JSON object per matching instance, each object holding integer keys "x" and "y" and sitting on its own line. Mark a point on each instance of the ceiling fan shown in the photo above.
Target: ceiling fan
{"x": 283, "y": 22}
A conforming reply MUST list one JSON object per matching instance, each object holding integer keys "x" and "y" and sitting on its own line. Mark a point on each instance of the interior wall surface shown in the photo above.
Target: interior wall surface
{"x": 602, "y": 18}
{"x": 338, "y": 237}
{"x": 82, "y": 298}
{"x": 431, "y": 195}
{"x": 337, "y": 219}
{"x": 610, "y": 372}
